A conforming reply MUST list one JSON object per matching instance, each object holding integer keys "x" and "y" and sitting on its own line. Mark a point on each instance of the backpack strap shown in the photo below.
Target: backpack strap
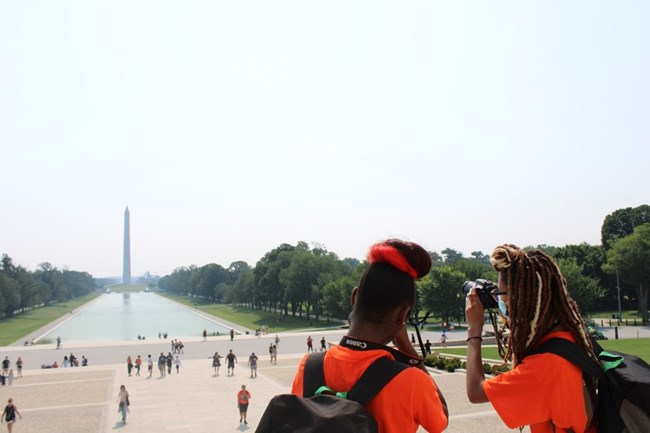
{"x": 572, "y": 353}
{"x": 313, "y": 376}
{"x": 376, "y": 376}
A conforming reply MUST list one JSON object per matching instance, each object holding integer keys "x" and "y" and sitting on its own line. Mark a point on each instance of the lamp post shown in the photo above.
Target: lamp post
{"x": 618, "y": 290}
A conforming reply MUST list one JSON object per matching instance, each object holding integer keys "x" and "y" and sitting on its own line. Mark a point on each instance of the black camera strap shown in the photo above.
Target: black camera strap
{"x": 358, "y": 344}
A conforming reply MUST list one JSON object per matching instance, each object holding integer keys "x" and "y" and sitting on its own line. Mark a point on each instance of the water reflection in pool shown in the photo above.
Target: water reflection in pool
{"x": 124, "y": 316}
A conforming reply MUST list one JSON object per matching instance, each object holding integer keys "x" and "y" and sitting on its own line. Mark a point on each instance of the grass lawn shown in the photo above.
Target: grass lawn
{"x": 635, "y": 346}
{"x": 121, "y": 288}
{"x": 253, "y": 319}
{"x": 17, "y": 327}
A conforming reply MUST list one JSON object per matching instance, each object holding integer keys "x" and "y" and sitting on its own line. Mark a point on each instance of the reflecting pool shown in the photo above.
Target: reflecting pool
{"x": 124, "y": 316}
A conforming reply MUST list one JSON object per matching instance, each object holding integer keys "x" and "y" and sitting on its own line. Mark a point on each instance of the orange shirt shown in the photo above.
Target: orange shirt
{"x": 409, "y": 400}
{"x": 243, "y": 396}
{"x": 541, "y": 388}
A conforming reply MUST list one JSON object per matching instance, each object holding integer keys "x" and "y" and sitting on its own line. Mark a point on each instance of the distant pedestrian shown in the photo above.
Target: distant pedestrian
{"x": 231, "y": 360}
{"x": 65, "y": 361}
{"x": 123, "y": 403}
{"x": 19, "y": 367}
{"x": 170, "y": 361}
{"x": 129, "y": 364}
{"x": 271, "y": 352}
{"x": 84, "y": 361}
{"x": 252, "y": 363}
{"x": 58, "y": 342}
{"x": 232, "y": 334}
{"x": 412, "y": 339}
{"x": 216, "y": 363}
{"x": 274, "y": 354}
{"x": 243, "y": 398}
{"x": 443, "y": 340}
{"x": 150, "y": 365}
{"x": 177, "y": 363}
{"x": 427, "y": 347}
{"x": 277, "y": 340}
{"x": 323, "y": 345}
{"x": 310, "y": 344}
{"x": 9, "y": 414}
{"x": 5, "y": 365}
{"x": 162, "y": 360}
{"x": 10, "y": 377}
{"x": 205, "y": 335}
{"x": 138, "y": 365}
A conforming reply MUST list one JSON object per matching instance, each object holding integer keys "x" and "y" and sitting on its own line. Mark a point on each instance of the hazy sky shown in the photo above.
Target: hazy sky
{"x": 229, "y": 128}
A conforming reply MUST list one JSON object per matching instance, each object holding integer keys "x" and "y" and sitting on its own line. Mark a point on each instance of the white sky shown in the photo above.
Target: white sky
{"x": 229, "y": 128}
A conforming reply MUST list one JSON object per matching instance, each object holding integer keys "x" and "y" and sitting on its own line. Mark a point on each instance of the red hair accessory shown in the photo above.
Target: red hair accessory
{"x": 383, "y": 253}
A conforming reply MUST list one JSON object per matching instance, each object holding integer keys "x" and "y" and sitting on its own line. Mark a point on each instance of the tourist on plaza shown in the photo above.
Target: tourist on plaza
{"x": 19, "y": 367}
{"x": 427, "y": 347}
{"x": 72, "y": 359}
{"x": 252, "y": 363}
{"x": 243, "y": 398}
{"x": 58, "y": 342}
{"x": 543, "y": 391}
{"x": 123, "y": 403}
{"x": 10, "y": 377}
{"x": 150, "y": 365}
{"x": 84, "y": 361}
{"x": 129, "y": 364}
{"x": 232, "y": 334}
{"x": 138, "y": 365}
{"x": 323, "y": 344}
{"x": 216, "y": 363}
{"x": 231, "y": 360}
{"x": 274, "y": 354}
{"x": 170, "y": 362}
{"x": 65, "y": 361}
{"x": 443, "y": 340}
{"x": 9, "y": 414}
{"x": 162, "y": 360}
{"x": 177, "y": 363}
{"x": 205, "y": 335}
{"x": 271, "y": 352}
{"x": 277, "y": 340}
{"x": 381, "y": 307}
{"x": 5, "y": 365}
{"x": 310, "y": 344}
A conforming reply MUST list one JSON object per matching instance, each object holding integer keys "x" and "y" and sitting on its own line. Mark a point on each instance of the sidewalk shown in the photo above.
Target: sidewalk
{"x": 83, "y": 400}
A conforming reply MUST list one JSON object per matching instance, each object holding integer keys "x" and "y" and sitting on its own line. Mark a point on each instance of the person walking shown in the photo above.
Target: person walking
{"x": 138, "y": 365}
{"x": 231, "y": 360}
{"x": 243, "y": 398}
{"x": 162, "y": 360}
{"x": 216, "y": 363}
{"x": 310, "y": 344}
{"x": 58, "y": 342}
{"x": 252, "y": 363}
{"x": 9, "y": 414}
{"x": 271, "y": 352}
{"x": 274, "y": 354}
{"x": 123, "y": 403}
{"x": 177, "y": 363}
{"x": 19, "y": 367}
{"x": 150, "y": 365}
{"x": 543, "y": 391}
{"x": 323, "y": 345}
{"x": 5, "y": 365}
{"x": 170, "y": 361}
{"x": 205, "y": 335}
{"x": 232, "y": 334}
{"x": 129, "y": 364}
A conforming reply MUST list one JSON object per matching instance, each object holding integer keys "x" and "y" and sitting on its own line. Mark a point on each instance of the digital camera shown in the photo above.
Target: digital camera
{"x": 484, "y": 289}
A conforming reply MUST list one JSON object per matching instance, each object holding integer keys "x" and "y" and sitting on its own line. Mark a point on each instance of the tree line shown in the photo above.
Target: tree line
{"x": 22, "y": 290}
{"x": 311, "y": 281}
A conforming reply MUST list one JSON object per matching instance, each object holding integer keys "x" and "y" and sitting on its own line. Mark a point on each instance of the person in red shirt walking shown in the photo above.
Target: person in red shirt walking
{"x": 544, "y": 391}
{"x": 243, "y": 397}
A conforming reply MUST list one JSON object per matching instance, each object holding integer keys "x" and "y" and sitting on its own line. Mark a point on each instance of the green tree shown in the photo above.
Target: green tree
{"x": 630, "y": 256}
{"x": 586, "y": 291}
{"x": 622, "y": 222}
{"x": 440, "y": 293}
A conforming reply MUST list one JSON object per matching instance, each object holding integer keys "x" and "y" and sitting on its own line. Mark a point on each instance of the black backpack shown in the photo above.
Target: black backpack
{"x": 326, "y": 413}
{"x": 623, "y": 403}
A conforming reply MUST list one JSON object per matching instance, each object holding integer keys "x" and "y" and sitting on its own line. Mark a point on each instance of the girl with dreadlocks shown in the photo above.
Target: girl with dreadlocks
{"x": 381, "y": 305}
{"x": 544, "y": 390}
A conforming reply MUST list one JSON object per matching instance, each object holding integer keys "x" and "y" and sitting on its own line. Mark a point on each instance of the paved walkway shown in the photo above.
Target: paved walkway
{"x": 83, "y": 400}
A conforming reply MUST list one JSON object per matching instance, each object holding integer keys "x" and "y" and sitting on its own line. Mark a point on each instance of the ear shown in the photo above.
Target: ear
{"x": 353, "y": 296}
{"x": 404, "y": 312}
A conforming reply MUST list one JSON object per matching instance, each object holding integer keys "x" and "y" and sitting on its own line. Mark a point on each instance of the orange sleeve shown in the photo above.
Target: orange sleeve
{"x": 296, "y": 388}
{"x": 542, "y": 388}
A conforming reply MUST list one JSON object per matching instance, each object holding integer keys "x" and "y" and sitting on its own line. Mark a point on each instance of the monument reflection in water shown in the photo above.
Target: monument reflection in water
{"x": 124, "y": 316}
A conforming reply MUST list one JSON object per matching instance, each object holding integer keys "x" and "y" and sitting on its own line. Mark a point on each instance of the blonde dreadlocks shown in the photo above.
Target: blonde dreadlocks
{"x": 539, "y": 301}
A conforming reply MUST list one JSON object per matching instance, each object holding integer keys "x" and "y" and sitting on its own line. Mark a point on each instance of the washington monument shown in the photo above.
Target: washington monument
{"x": 126, "y": 266}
